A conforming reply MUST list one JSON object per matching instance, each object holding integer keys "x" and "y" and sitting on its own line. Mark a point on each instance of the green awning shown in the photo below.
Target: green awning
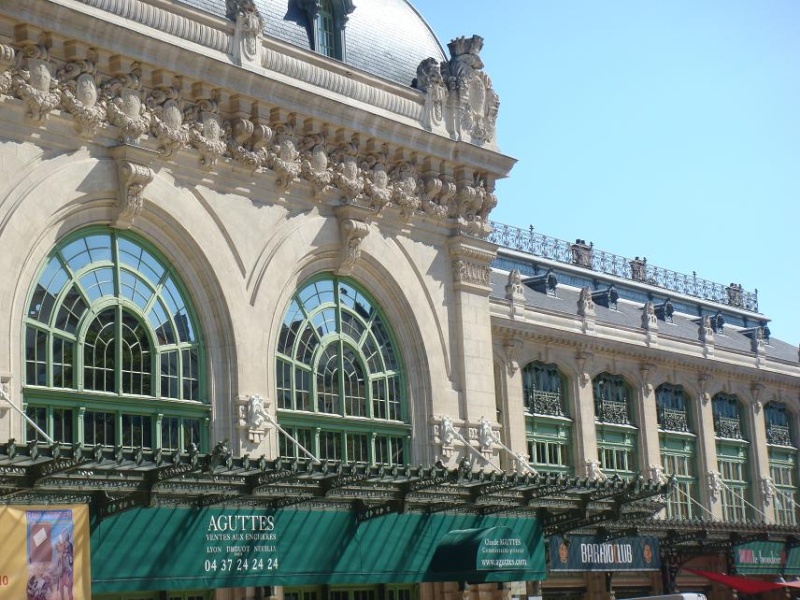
{"x": 183, "y": 548}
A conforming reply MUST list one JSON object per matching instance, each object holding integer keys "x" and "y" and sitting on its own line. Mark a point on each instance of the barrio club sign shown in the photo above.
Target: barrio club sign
{"x": 588, "y": 553}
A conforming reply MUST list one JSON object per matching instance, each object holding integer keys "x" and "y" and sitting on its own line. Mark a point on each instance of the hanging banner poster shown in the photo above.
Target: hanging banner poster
{"x": 586, "y": 553}
{"x": 45, "y": 552}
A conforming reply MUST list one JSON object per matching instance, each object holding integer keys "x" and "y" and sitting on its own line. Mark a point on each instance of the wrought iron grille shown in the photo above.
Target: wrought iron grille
{"x": 728, "y": 427}
{"x": 672, "y": 419}
{"x": 545, "y": 403}
{"x": 610, "y": 411}
{"x": 779, "y": 434}
{"x": 532, "y": 242}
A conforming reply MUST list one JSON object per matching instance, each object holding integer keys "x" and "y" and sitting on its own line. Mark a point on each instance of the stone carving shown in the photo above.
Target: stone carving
{"x": 757, "y": 342}
{"x": 404, "y": 188}
{"x": 247, "y": 36}
{"x": 638, "y": 269}
{"x": 514, "y": 288}
{"x": 436, "y": 195}
{"x": 585, "y": 303}
{"x": 314, "y": 165}
{"x": 487, "y": 436}
{"x": 470, "y": 273}
{"x": 80, "y": 95}
{"x": 376, "y": 180}
{"x": 206, "y": 132}
{"x": 33, "y": 81}
{"x": 767, "y": 489}
{"x": 166, "y": 113}
{"x": 286, "y": 159}
{"x": 511, "y": 348}
{"x": 124, "y": 104}
{"x": 657, "y": 474}
{"x": 593, "y": 470}
{"x": 248, "y": 142}
{"x": 352, "y": 233}
{"x": 706, "y": 331}
{"x": 649, "y": 319}
{"x": 430, "y": 81}
{"x": 447, "y": 432}
{"x": 582, "y": 253}
{"x": 714, "y": 485}
{"x": 256, "y": 413}
{"x": 7, "y": 59}
{"x": 347, "y": 175}
{"x": 133, "y": 178}
{"x": 473, "y": 102}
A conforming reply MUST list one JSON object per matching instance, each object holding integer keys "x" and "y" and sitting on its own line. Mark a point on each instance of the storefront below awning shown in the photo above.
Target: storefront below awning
{"x": 182, "y": 548}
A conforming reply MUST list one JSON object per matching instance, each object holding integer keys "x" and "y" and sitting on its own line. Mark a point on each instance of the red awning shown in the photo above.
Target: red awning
{"x": 746, "y": 585}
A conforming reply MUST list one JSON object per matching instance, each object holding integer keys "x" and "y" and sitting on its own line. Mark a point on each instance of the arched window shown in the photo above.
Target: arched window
{"x": 109, "y": 328}
{"x": 678, "y": 448}
{"x": 340, "y": 386}
{"x": 548, "y": 428}
{"x": 616, "y": 436}
{"x": 782, "y": 462}
{"x": 732, "y": 458}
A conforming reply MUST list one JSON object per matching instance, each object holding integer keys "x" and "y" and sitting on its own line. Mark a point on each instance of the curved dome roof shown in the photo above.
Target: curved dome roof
{"x": 387, "y": 38}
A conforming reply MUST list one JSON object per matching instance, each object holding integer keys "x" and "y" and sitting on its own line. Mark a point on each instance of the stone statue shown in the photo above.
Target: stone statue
{"x": 256, "y": 414}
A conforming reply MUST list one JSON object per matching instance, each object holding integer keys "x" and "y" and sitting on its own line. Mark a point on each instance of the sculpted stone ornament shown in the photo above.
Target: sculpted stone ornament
{"x": 7, "y": 59}
{"x": 124, "y": 105}
{"x": 649, "y": 319}
{"x": 314, "y": 165}
{"x": 714, "y": 485}
{"x": 447, "y": 432}
{"x": 206, "y": 132}
{"x": 347, "y": 177}
{"x": 487, "y": 436}
{"x": 248, "y": 143}
{"x": 80, "y": 95}
{"x": 515, "y": 291}
{"x": 585, "y": 303}
{"x": 404, "y": 188}
{"x": 431, "y": 193}
{"x": 166, "y": 110}
{"x": 594, "y": 472}
{"x": 431, "y": 82}
{"x": 473, "y": 102}
{"x": 133, "y": 178}
{"x": 376, "y": 181}
{"x": 286, "y": 159}
{"x": 33, "y": 81}
{"x": 352, "y": 233}
{"x": 767, "y": 489}
{"x": 256, "y": 413}
{"x": 249, "y": 27}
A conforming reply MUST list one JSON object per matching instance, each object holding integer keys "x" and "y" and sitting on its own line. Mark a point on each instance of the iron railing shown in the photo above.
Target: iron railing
{"x": 587, "y": 256}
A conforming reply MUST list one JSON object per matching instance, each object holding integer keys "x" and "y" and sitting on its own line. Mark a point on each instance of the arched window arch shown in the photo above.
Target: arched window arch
{"x": 782, "y": 461}
{"x": 616, "y": 436}
{"x": 672, "y": 405}
{"x": 547, "y": 425}
{"x": 340, "y": 384}
{"x": 109, "y": 326}
{"x": 727, "y": 417}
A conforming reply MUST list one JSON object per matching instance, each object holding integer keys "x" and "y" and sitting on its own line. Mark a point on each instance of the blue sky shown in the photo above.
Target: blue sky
{"x": 668, "y": 129}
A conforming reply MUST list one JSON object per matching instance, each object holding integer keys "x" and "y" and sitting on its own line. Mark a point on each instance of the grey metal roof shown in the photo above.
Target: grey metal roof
{"x": 387, "y": 38}
{"x": 629, "y": 314}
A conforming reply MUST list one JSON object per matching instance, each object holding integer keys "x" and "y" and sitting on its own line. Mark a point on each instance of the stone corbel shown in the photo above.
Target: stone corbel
{"x": 134, "y": 175}
{"x": 714, "y": 485}
{"x": 445, "y": 430}
{"x": 352, "y": 232}
{"x": 581, "y": 359}
{"x": 248, "y": 33}
{"x": 647, "y": 370}
{"x": 512, "y": 348}
{"x": 756, "y": 390}
{"x": 703, "y": 380}
{"x": 5, "y": 392}
{"x": 767, "y": 489}
{"x": 252, "y": 414}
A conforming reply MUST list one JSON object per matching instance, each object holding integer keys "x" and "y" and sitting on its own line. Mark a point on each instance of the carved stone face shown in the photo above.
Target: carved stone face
{"x": 40, "y": 75}
{"x": 131, "y": 103}
{"x": 172, "y": 115}
{"x": 211, "y": 127}
{"x": 86, "y": 90}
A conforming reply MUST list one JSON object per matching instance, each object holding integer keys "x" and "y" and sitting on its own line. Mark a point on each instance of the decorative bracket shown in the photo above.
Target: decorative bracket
{"x": 252, "y": 413}
{"x": 134, "y": 175}
{"x": 352, "y": 231}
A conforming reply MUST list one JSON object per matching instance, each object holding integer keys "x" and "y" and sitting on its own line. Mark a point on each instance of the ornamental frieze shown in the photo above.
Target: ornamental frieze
{"x": 149, "y": 109}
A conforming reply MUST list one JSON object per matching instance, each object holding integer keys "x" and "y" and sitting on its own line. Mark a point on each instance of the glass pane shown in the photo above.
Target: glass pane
{"x": 63, "y": 360}
{"x": 35, "y": 357}
{"x": 98, "y": 283}
{"x": 99, "y": 428}
{"x": 169, "y": 374}
{"x": 191, "y": 376}
{"x": 140, "y": 260}
{"x": 37, "y": 414}
{"x": 98, "y": 353}
{"x": 51, "y": 282}
{"x": 73, "y": 307}
{"x": 137, "y": 431}
{"x": 136, "y": 363}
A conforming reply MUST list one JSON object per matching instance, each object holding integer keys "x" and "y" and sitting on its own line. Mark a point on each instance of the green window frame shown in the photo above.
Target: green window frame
{"x": 340, "y": 384}
{"x": 112, "y": 352}
{"x": 679, "y": 458}
{"x": 547, "y": 424}
{"x": 672, "y": 405}
{"x": 782, "y": 462}
{"x": 734, "y": 470}
{"x": 727, "y": 417}
{"x": 616, "y": 435}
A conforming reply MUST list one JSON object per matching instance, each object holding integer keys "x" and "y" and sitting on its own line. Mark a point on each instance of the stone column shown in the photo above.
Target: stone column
{"x": 583, "y": 410}
{"x": 706, "y": 448}
{"x": 649, "y": 446}
{"x": 512, "y": 419}
{"x": 759, "y": 457}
